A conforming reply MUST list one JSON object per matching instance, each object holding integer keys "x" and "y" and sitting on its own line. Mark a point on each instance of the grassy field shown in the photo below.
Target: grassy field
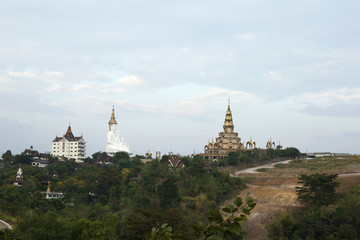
{"x": 340, "y": 165}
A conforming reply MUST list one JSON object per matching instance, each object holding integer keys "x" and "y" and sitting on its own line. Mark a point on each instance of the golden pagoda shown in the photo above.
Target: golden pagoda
{"x": 228, "y": 140}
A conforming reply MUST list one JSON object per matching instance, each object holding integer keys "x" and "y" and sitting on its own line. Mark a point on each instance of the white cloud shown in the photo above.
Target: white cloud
{"x": 22, "y": 74}
{"x": 112, "y": 90}
{"x": 246, "y": 36}
{"x": 53, "y": 74}
{"x": 129, "y": 81}
{"x": 332, "y": 97}
{"x": 240, "y": 95}
{"x": 191, "y": 108}
{"x": 274, "y": 76}
{"x": 80, "y": 87}
{"x": 4, "y": 80}
{"x": 54, "y": 87}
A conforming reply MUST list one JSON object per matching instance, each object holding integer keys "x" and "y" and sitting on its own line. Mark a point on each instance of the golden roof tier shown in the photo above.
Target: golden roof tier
{"x": 228, "y": 124}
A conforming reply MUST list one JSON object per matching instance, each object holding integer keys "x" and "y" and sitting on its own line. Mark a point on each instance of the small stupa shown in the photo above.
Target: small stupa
{"x": 19, "y": 177}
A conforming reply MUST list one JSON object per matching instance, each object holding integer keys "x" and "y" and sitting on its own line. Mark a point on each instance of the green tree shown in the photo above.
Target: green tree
{"x": 281, "y": 229}
{"x": 233, "y": 158}
{"x": 96, "y": 155}
{"x": 168, "y": 193}
{"x": 317, "y": 189}
{"x": 7, "y": 156}
{"x": 22, "y": 159}
{"x": 121, "y": 155}
{"x": 229, "y": 227}
{"x": 290, "y": 152}
{"x": 218, "y": 227}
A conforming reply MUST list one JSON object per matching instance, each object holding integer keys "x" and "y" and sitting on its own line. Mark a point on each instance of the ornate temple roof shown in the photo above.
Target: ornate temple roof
{"x": 69, "y": 135}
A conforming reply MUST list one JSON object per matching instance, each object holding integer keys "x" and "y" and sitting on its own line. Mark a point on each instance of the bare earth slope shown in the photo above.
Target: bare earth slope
{"x": 274, "y": 192}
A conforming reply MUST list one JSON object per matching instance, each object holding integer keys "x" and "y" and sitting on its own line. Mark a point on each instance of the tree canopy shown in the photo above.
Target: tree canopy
{"x": 318, "y": 189}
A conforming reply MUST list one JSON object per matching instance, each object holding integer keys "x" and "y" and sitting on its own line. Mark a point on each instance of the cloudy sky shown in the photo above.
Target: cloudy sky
{"x": 290, "y": 68}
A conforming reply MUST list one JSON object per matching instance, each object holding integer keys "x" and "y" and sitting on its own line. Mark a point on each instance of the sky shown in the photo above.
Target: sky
{"x": 290, "y": 68}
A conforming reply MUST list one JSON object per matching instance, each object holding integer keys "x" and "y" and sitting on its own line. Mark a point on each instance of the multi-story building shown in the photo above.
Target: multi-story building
{"x": 69, "y": 147}
{"x": 228, "y": 141}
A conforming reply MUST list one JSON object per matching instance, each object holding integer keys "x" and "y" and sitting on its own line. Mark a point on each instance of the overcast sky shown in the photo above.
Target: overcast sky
{"x": 290, "y": 68}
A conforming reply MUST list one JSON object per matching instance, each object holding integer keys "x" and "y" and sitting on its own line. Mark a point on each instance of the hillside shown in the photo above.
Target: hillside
{"x": 274, "y": 188}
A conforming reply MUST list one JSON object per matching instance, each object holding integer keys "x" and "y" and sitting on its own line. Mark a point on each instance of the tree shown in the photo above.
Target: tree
{"x": 96, "y": 155}
{"x": 229, "y": 227}
{"x": 121, "y": 155}
{"x": 169, "y": 193}
{"x": 281, "y": 229}
{"x": 22, "y": 159}
{"x": 7, "y": 156}
{"x": 317, "y": 189}
{"x": 290, "y": 152}
{"x": 233, "y": 158}
{"x": 218, "y": 227}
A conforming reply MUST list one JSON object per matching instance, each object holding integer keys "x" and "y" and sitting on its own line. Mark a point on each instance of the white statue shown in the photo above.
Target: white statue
{"x": 115, "y": 142}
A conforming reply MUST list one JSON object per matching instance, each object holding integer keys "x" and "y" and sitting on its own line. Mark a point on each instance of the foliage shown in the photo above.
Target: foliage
{"x": 169, "y": 195}
{"x": 7, "y": 156}
{"x": 217, "y": 227}
{"x": 220, "y": 228}
{"x": 163, "y": 232}
{"x": 233, "y": 158}
{"x": 282, "y": 228}
{"x": 317, "y": 189}
{"x": 123, "y": 200}
{"x": 339, "y": 220}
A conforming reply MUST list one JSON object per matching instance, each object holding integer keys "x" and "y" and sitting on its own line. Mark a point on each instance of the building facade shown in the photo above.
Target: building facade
{"x": 227, "y": 141}
{"x": 69, "y": 146}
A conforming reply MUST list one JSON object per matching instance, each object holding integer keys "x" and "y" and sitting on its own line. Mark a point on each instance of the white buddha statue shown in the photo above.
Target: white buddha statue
{"x": 115, "y": 142}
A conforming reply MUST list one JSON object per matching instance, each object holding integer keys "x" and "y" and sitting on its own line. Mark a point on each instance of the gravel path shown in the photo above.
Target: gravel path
{"x": 253, "y": 170}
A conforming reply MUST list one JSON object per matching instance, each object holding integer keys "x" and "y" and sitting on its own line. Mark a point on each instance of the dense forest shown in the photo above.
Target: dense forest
{"x": 127, "y": 199}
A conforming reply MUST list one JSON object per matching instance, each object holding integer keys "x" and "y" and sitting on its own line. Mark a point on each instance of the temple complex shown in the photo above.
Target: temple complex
{"x": 228, "y": 140}
{"x": 115, "y": 142}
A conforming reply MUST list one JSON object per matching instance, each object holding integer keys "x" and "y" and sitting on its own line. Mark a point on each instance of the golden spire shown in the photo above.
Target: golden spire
{"x": 48, "y": 189}
{"x": 228, "y": 124}
{"x": 112, "y": 119}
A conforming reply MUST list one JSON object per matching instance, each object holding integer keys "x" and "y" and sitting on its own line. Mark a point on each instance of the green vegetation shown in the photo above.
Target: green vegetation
{"x": 317, "y": 189}
{"x": 322, "y": 164}
{"x": 217, "y": 227}
{"x": 327, "y": 215}
{"x": 123, "y": 200}
{"x": 257, "y": 156}
{"x": 262, "y": 170}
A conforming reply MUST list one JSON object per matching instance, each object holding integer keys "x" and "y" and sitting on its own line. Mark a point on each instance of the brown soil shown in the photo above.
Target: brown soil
{"x": 274, "y": 192}
{"x": 271, "y": 200}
